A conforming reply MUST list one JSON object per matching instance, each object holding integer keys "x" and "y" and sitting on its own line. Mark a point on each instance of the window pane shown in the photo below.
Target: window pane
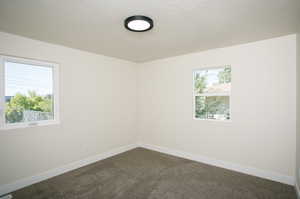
{"x": 212, "y": 80}
{"x": 212, "y": 107}
{"x": 28, "y": 93}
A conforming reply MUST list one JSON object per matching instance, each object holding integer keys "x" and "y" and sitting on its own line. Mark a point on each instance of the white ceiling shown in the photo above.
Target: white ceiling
{"x": 180, "y": 26}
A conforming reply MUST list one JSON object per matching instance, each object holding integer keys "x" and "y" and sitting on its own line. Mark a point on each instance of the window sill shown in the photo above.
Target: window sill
{"x": 212, "y": 120}
{"x": 29, "y": 125}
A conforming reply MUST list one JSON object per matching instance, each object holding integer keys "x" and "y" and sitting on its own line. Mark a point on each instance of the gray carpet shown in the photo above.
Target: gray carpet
{"x": 145, "y": 174}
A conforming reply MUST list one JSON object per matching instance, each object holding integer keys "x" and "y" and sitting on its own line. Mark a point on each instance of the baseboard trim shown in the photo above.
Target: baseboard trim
{"x": 297, "y": 189}
{"x": 8, "y": 188}
{"x": 6, "y": 197}
{"x": 227, "y": 165}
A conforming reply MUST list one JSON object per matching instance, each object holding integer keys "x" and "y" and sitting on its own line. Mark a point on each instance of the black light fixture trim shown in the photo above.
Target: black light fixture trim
{"x": 138, "y": 17}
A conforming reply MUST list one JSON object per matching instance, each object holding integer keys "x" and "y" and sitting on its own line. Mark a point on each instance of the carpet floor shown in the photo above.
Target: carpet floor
{"x": 145, "y": 174}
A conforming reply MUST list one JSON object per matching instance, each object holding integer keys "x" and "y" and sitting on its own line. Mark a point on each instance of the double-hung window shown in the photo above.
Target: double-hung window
{"x": 28, "y": 93}
{"x": 212, "y": 88}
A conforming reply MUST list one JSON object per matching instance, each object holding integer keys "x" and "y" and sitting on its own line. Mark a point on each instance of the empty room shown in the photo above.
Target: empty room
{"x": 135, "y": 99}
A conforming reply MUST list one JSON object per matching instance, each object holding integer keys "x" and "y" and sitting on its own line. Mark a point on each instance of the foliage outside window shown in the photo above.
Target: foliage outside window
{"x": 212, "y": 93}
{"x": 29, "y": 107}
{"x": 28, "y": 94}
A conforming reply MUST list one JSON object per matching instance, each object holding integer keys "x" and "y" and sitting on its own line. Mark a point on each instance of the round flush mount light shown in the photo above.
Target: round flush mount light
{"x": 138, "y": 23}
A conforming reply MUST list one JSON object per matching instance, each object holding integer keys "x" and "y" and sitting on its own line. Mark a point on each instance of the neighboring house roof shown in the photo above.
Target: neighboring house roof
{"x": 8, "y": 98}
{"x": 218, "y": 88}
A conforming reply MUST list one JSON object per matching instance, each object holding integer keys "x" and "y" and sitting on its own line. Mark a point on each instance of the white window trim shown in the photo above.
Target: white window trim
{"x": 210, "y": 94}
{"x": 54, "y": 66}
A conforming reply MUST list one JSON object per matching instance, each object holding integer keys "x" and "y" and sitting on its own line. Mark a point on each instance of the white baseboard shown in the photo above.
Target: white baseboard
{"x": 6, "y": 197}
{"x": 227, "y": 165}
{"x": 8, "y": 188}
{"x": 297, "y": 189}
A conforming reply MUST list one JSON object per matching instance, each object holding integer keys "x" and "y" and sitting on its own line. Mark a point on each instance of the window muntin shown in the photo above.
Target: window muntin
{"x": 212, "y": 89}
{"x": 29, "y": 95}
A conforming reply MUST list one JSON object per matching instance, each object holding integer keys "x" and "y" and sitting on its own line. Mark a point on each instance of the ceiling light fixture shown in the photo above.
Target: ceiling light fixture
{"x": 138, "y": 23}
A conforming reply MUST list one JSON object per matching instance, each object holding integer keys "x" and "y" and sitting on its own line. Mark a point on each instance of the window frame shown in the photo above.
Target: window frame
{"x": 211, "y": 94}
{"x": 55, "y": 77}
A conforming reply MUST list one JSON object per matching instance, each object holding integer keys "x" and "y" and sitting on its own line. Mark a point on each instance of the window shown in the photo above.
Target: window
{"x": 28, "y": 93}
{"x": 212, "y": 93}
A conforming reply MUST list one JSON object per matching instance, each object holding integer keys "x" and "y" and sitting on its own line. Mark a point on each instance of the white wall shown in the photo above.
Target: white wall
{"x": 103, "y": 100}
{"x": 97, "y": 110}
{"x": 263, "y": 100}
{"x": 298, "y": 113}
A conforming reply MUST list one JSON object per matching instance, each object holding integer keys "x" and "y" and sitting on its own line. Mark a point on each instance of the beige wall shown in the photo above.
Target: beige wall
{"x": 97, "y": 106}
{"x": 263, "y": 100}
{"x": 298, "y": 111}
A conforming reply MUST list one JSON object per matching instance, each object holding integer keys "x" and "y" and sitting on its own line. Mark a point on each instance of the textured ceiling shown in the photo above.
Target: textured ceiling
{"x": 180, "y": 26}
